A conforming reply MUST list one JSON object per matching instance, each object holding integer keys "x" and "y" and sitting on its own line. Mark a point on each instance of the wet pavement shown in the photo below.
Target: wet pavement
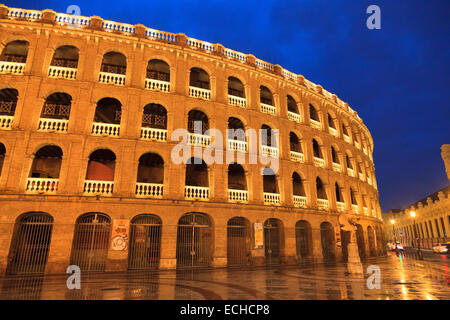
{"x": 403, "y": 277}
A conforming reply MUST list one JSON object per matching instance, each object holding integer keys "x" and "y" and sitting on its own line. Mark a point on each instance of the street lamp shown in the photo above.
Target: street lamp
{"x": 419, "y": 253}
{"x": 393, "y": 231}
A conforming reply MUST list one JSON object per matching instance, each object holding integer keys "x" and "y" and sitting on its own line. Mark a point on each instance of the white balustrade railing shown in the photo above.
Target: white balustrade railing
{"x": 294, "y": 117}
{"x": 299, "y": 201}
{"x": 336, "y": 167}
{"x": 366, "y": 211}
{"x": 264, "y": 65}
{"x": 153, "y": 134}
{"x": 149, "y": 190}
{"x": 289, "y": 75}
{"x": 237, "y": 195}
{"x": 272, "y": 198}
{"x": 340, "y": 206}
{"x": 322, "y": 204}
{"x": 355, "y": 209}
{"x": 237, "y": 101}
{"x": 111, "y": 78}
{"x": 333, "y": 131}
{"x": 112, "y": 26}
{"x": 154, "y": 34}
{"x": 315, "y": 124}
{"x": 269, "y": 152}
{"x": 357, "y": 144}
{"x": 369, "y": 181}
{"x": 199, "y": 44}
{"x": 365, "y": 150}
{"x": 297, "y": 156}
{"x": 346, "y": 138}
{"x": 12, "y": 67}
{"x": 267, "y": 108}
{"x": 62, "y": 72}
{"x": 200, "y": 93}
{"x": 234, "y": 55}
{"x": 350, "y": 172}
{"x": 237, "y": 145}
{"x": 30, "y": 15}
{"x": 319, "y": 162}
{"x": 105, "y": 129}
{"x": 157, "y": 85}
{"x": 53, "y": 125}
{"x": 96, "y": 187}
{"x": 6, "y": 122}
{"x": 196, "y": 193}
{"x": 199, "y": 139}
{"x": 361, "y": 176}
{"x": 42, "y": 185}
{"x": 72, "y": 21}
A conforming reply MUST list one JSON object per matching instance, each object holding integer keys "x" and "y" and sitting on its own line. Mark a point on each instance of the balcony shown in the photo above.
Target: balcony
{"x": 269, "y": 152}
{"x": 333, "y": 131}
{"x": 149, "y": 190}
{"x": 355, "y": 209}
{"x": 196, "y": 193}
{"x": 294, "y": 117}
{"x": 200, "y": 93}
{"x": 53, "y": 125}
{"x": 152, "y": 134}
{"x": 336, "y": 167}
{"x": 237, "y": 195}
{"x": 369, "y": 181}
{"x": 346, "y": 138}
{"x": 237, "y": 101}
{"x": 98, "y": 188}
{"x": 357, "y": 144}
{"x": 62, "y": 72}
{"x": 315, "y": 124}
{"x": 319, "y": 162}
{"x": 365, "y": 150}
{"x": 299, "y": 201}
{"x": 5, "y": 122}
{"x": 157, "y": 85}
{"x": 199, "y": 139}
{"x": 267, "y": 108}
{"x": 340, "y": 206}
{"x": 12, "y": 67}
{"x": 297, "y": 156}
{"x": 366, "y": 211}
{"x": 272, "y": 198}
{"x": 105, "y": 129}
{"x": 322, "y": 204}
{"x": 350, "y": 172}
{"x": 361, "y": 176}
{"x": 111, "y": 78}
{"x": 42, "y": 186}
{"x": 237, "y": 145}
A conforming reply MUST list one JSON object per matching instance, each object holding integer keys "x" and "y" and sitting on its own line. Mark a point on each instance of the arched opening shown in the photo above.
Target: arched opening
{"x": 338, "y": 190}
{"x": 150, "y": 169}
{"x": 236, "y": 129}
{"x": 145, "y": 242}
{"x": 292, "y": 105}
{"x": 360, "y": 241}
{"x": 268, "y": 136}
{"x": 320, "y": 188}
{"x": 15, "y": 51}
{"x": 238, "y": 241}
{"x": 295, "y": 143}
{"x": 65, "y": 56}
{"x": 348, "y": 162}
{"x": 199, "y": 78}
{"x": 317, "y": 150}
{"x": 297, "y": 185}
{"x": 303, "y": 239}
{"x": 236, "y": 177}
{"x": 8, "y": 103}
{"x": 353, "y": 197}
{"x": 30, "y": 244}
{"x": 266, "y": 96}
{"x": 2, "y": 156}
{"x": 108, "y": 114}
{"x": 235, "y": 87}
{"x": 334, "y": 156}
{"x": 196, "y": 173}
{"x": 114, "y": 62}
{"x": 101, "y": 165}
{"x": 47, "y": 163}
{"x": 57, "y": 106}
{"x": 331, "y": 123}
{"x": 269, "y": 181}
{"x": 273, "y": 240}
{"x": 158, "y": 70}
{"x": 345, "y": 240}
{"x": 194, "y": 241}
{"x": 371, "y": 239}
{"x": 155, "y": 116}
{"x": 344, "y": 129}
{"x": 328, "y": 242}
{"x": 197, "y": 122}
{"x": 313, "y": 113}
{"x": 91, "y": 241}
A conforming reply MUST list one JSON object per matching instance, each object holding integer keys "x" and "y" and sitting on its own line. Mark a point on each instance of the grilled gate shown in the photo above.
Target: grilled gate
{"x": 30, "y": 245}
{"x": 145, "y": 242}
{"x": 345, "y": 239}
{"x": 360, "y": 241}
{"x": 327, "y": 238}
{"x": 91, "y": 242}
{"x": 303, "y": 244}
{"x": 272, "y": 241}
{"x": 237, "y": 242}
{"x": 194, "y": 241}
{"x": 371, "y": 238}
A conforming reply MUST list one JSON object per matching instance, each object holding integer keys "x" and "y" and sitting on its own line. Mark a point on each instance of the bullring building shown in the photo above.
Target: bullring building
{"x": 88, "y": 110}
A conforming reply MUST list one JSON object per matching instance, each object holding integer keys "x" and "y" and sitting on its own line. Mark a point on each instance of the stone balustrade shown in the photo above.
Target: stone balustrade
{"x": 355, "y": 209}
{"x": 270, "y": 152}
{"x": 237, "y": 145}
{"x": 322, "y": 204}
{"x": 300, "y": 201}
{"x": 12, "y": 67}
{"x": 294, "y": 117}
{"x": 297, "y": 157}
{"x": 111, "y": 78}
{"x": 340, "y": 206}
{"x": 6, "y": 122}
{"x": 237, "y": 101}
{"x": 105, "y": 129}
{"x": 272, "y": 198}
{"x": 42, "y": 185}
{"x": 196, "y": 193}
{"x": 62, "y": 72}
{"x": 199, "y": 139}
{"x": 267, "y": 108}
{"x": 315, "y": 124}
{"x": 149, "y": 190}
{"x": 237, "y": 195}
{"x": 336, "y": 167}
{"x": 53, "y": 125}
{"x": 95, "y": 187}
{"x": 157, "y": 85}
{"x": 319, "y": 162}
{"x": 200, "y": 93}
{"x": 153, "y": 134}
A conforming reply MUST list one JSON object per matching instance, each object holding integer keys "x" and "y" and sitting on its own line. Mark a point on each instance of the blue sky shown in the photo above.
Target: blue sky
{"x": 396, "y": 78}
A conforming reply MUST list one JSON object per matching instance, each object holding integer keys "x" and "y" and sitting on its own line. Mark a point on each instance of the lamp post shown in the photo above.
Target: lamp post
{"x": 393, "y": 230}
{"x": 419, "y": 253}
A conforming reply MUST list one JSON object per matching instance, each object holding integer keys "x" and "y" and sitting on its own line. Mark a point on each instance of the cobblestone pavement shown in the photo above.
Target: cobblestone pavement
{"x": 402, "y": 277}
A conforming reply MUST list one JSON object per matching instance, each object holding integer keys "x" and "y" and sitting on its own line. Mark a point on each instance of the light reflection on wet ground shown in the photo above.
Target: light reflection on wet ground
{"x": 403, "y": 277}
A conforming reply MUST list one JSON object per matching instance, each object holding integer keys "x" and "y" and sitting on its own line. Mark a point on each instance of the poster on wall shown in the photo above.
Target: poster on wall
{"x": 119, "y": 237}
{"x": 338, "y": 236}
{"x": 259, "y": 236}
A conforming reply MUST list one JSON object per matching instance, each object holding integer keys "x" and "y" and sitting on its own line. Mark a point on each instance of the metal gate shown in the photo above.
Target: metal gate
{"x": 145, "y": 242}
{"x": 91, "y": 242}
{"x": 194, "y": 241}
{"x": 327, "y": 237}
{"x": 237, "y": 242}
{"x": 360, "y": 241}
{"x": 30, "y": 245}
{"x": 371, "y": 239}
{"x": 345, "y": 240}
{"x": 272, "y": 241}
{"x": 303, "y": 241}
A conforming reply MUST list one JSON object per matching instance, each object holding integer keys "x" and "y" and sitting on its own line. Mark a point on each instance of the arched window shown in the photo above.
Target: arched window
{"x": 55, "y": 113}
{"x": 334, "y": 155}
{"x": 158, "y": 70}
{"x": 199, "y": 78}
{"x": 339, "y": 196}
{"x": 297, "y": 185}
{"x": 2, "y": 156}
{"x": 320, "y": 188}
{"x": 114, "y": 62}
{"x": 236, "y": 129}
{"x": 348, "y": 162}
{"x": 266, "y": 96}
{"x": 353, "y": 197}
{"x": 317, "y": 149}
{"x": 238, "y": 241}
{"x": 236, "y": 177}
{"x": 267, "y": 136}
{"x": 101, "y": 165}
{"x": 46, "y": 163}
{"x": 196, "y": 173}
{"x": 331, "y": 122}
{"x": 65, "y": 56}
{"x": 150, "y": 169}
{"x": 344, "y": 129}
{"x": 8, "y": 103}
{"x": 15, "y": 51}
{"x": 109, "y": 110}
{"x": 269, "y": 181}
{"x": 313, "y": 113}
{"x": 235, "y": 87}
{"x": 197, "y": 119}
{"x": 295, "y": 143}
{"x": 292, "y": 105}
{"x": 155, "y": 116}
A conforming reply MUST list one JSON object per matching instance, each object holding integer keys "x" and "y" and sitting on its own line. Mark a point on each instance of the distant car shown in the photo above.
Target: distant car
{"x": 441, "y": 248}
{"x": 399, "y": 246}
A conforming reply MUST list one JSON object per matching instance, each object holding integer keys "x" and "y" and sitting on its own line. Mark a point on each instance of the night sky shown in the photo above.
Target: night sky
{"x": 396, "y": 78}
